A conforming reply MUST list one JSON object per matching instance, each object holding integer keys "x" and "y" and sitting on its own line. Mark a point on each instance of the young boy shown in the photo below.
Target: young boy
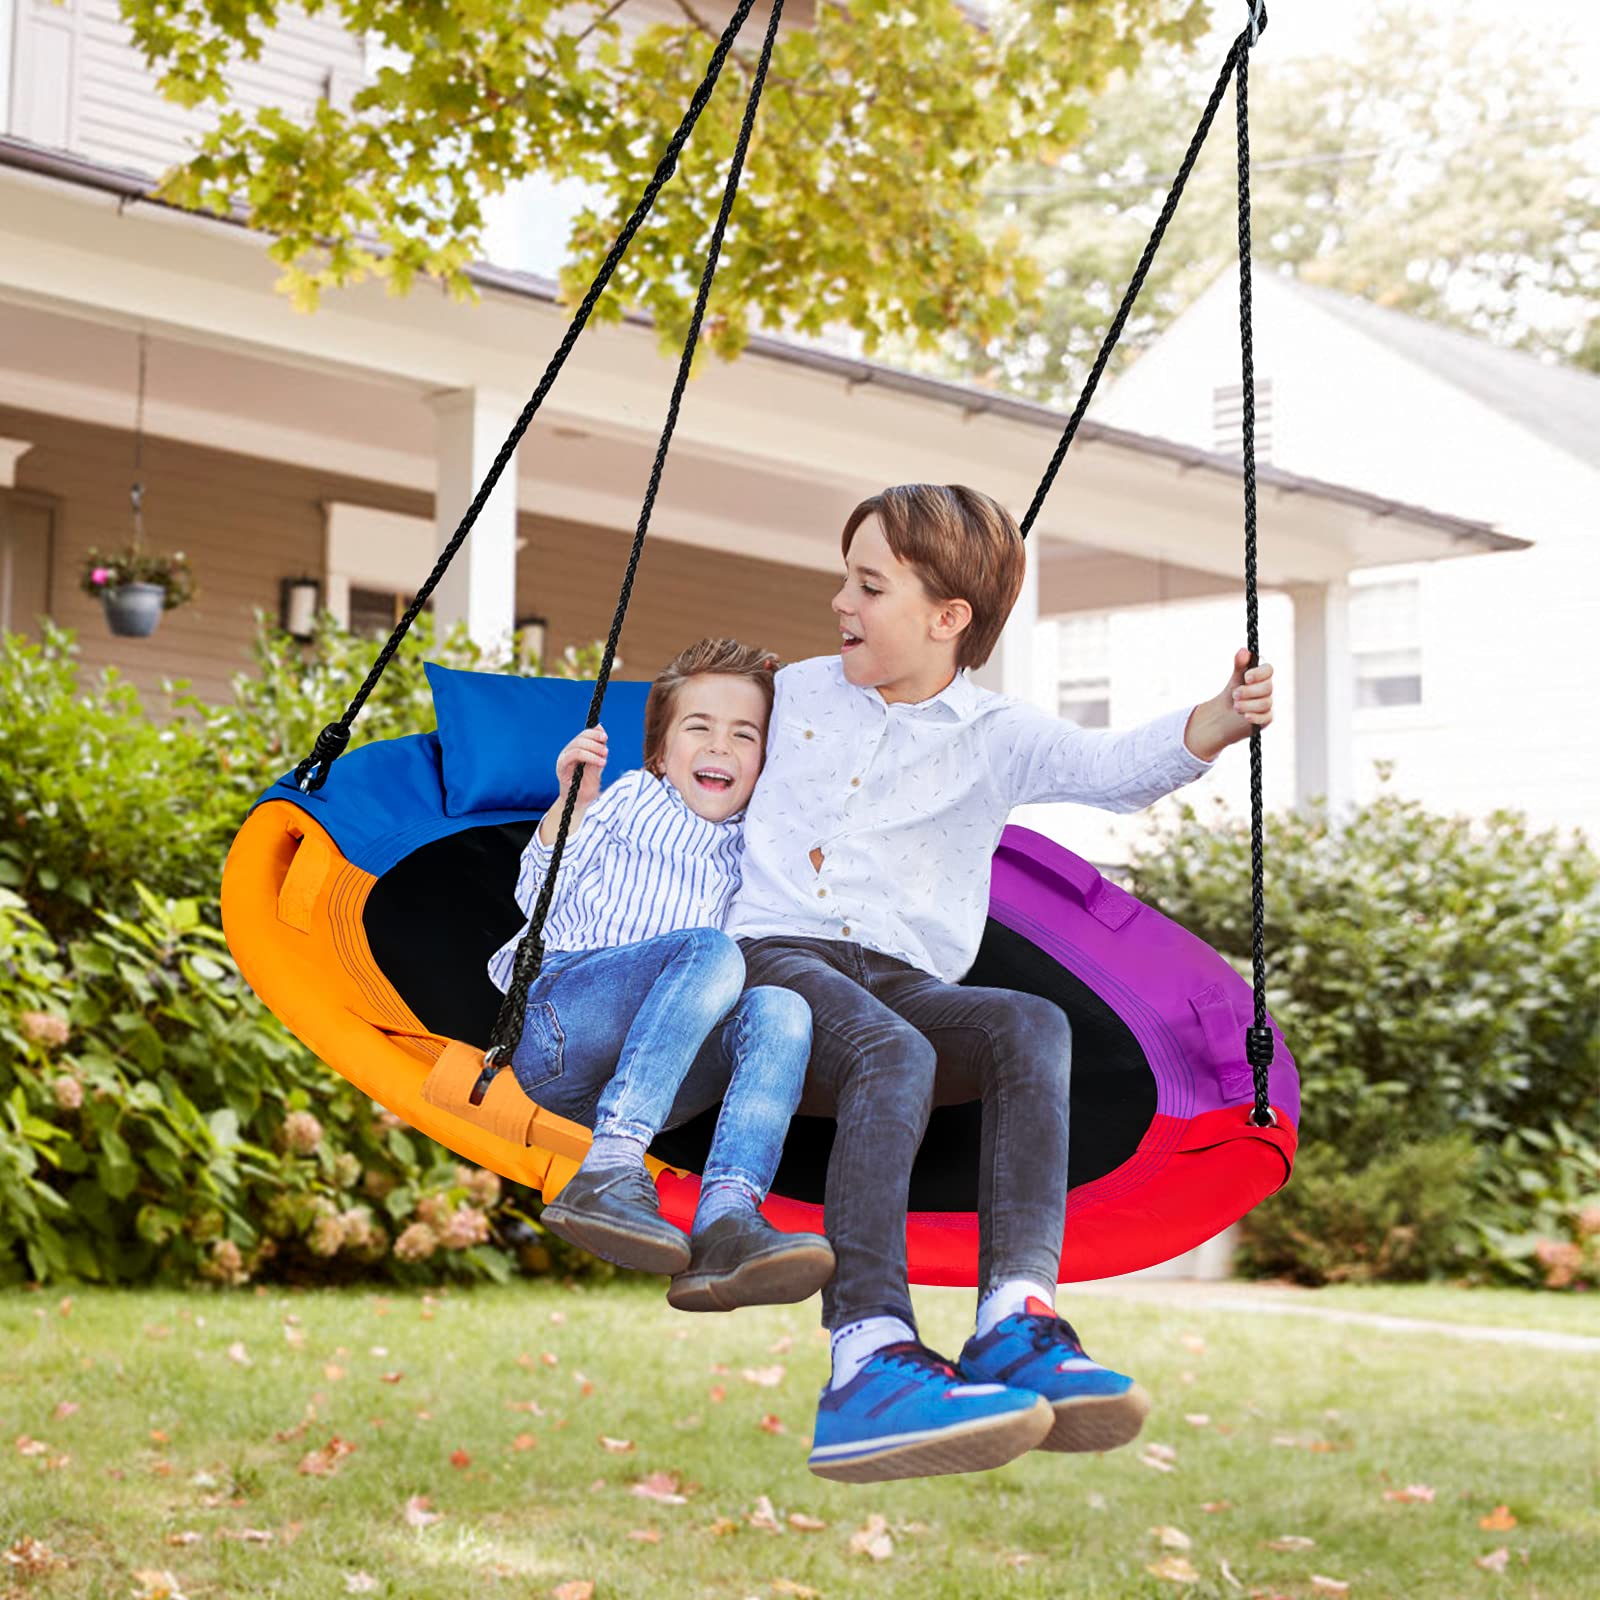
{"x": 889, "y": 778}
{"x": 640, "y": 1017}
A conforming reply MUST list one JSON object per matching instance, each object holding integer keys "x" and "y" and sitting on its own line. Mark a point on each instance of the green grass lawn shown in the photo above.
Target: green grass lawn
{"x": 255, "y": 1444}
{"x": 1432, "y": 1302}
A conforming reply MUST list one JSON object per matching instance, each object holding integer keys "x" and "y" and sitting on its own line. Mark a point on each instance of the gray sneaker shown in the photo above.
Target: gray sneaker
{"x": 742, "y": 1260}
{"x": 614, "y": 1214}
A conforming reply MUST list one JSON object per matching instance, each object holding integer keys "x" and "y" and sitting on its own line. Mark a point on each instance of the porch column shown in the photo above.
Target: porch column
{"x": 1324, "y": 694}
{"x": 1014, "y": 665}
{"x": 481, "y": 586}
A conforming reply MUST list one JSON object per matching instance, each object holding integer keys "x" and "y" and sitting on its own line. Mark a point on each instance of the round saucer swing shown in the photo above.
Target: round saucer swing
{"x": 362, "y": 908}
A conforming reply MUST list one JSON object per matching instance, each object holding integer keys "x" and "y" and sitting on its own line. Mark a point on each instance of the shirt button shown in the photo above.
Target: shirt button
{"x": 845, "y": 929}
{"x": 810, "y": 734}
{"x": 855, "y": 783}
{"x": 821, "y": 893}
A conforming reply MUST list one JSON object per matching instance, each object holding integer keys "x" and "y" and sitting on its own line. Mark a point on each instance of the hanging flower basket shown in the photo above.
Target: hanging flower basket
{"x": 135, "y": 587}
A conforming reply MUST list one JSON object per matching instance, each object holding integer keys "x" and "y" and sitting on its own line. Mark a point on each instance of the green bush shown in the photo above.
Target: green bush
{"x": 1435, "y": 978}
{"x": 97, "y": 795}
{"x": 1401, "y": 1217}
{"x": 156, "y": 1121}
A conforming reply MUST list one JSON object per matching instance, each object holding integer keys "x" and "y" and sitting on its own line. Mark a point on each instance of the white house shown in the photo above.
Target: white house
{"x": 1472, "y": 681}
{"x": 344, "y": 446}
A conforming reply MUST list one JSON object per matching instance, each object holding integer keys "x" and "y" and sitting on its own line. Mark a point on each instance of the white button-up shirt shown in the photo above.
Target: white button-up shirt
{"x": 642, "y": 863}
{"x": 907, "y": 802}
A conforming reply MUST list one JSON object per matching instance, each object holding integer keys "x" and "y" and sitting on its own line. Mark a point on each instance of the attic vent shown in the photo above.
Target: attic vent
{"x": 1227, "y": 419}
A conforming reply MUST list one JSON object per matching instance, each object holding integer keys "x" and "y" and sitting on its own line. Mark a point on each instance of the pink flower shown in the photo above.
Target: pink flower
{"x": 100, "y": 575}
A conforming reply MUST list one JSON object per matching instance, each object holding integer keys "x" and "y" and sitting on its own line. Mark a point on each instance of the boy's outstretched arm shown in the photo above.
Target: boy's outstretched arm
{"x": 1243, "y": 703}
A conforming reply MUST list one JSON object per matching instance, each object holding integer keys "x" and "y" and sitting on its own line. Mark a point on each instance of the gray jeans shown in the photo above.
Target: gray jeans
{"x": 888, "y": 1043}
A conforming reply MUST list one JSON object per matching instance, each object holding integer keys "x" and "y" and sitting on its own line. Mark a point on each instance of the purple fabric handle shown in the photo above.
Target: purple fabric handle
{"x": 1224, "y": 1040}
{"x": 1110, "y": 906}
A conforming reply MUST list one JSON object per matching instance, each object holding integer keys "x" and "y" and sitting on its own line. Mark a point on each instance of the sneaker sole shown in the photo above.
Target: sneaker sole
{"x": 781, "y": 1277}
{"x": 1097, "y": 1422}
{"x": 617, "y": 1243}
{"x": 974, "y": 1447}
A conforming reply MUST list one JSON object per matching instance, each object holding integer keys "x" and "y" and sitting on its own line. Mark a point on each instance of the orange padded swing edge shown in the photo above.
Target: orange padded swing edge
{"x": 291, "y": 909}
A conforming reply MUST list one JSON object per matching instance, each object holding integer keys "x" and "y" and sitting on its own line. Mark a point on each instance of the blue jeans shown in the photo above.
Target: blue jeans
{"x": 641, "y": 1037}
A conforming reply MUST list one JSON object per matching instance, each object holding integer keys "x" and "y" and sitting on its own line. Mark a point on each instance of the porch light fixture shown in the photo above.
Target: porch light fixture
{"x": 528, "y": 638}
{"x": 299, "y": 600}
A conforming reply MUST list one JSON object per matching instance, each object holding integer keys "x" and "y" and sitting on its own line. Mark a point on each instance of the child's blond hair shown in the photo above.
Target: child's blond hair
{"x": 961, "y": 544}
{"x": 726, "y": 656}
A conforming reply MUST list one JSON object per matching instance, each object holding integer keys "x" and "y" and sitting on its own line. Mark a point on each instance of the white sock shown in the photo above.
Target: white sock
{"x": 1010, "y": 1296}
{"x": 855, "y": 1342}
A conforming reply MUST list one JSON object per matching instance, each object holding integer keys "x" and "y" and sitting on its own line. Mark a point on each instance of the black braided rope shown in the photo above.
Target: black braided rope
{"x": 530, "y": 950}
{"x": 312, "y": 773}
{"x": 1238, "y": 49}
{"x": 1258, "y": 1036}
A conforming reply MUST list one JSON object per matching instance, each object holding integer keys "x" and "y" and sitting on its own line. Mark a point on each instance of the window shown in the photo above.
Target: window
{"x": 378, "y": 610}
{"x": 1083, "y": 669}
{"x": 1227, "y": 419}
{"x": 1386, "y": 643}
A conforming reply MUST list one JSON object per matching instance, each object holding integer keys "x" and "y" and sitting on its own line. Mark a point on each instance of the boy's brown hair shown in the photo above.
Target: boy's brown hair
{"x": 708, "y": 656}
{"x": 961, "y": 544}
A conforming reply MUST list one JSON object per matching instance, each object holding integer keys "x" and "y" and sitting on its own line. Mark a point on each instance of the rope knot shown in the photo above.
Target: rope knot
{"x": 312, "y": 773}
{"x": 1258, "y": 19}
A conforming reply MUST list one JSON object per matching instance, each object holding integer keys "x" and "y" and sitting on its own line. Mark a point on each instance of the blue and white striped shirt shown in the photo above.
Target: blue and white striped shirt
{"x": 642, "y": 863}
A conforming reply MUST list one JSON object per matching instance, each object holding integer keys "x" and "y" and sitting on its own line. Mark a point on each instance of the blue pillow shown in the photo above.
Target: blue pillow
{"x": 500, "y": 735}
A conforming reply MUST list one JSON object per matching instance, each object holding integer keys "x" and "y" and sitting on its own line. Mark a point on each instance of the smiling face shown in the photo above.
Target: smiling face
{"x": 716, "y": 740}
{"x": 896, "y": 638}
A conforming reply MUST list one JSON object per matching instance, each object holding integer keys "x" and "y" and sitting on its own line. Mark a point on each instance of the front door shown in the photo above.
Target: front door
{"x": 25, "y": 539}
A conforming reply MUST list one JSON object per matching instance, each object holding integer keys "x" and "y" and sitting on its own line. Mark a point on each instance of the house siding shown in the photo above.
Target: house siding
{"x": 246, "y": 523}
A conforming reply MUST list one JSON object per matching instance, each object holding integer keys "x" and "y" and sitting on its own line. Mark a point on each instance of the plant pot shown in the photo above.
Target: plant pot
{"x": 134, "y": 610}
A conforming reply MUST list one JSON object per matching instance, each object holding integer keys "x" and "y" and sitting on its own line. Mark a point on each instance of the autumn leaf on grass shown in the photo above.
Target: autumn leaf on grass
{"x": 718, "y": 1394}
{"x": 764, "y": 1377}
{"x": 460, "y": 1460}
{"x": 1217, "y": 1505}
{"x": 238, "y": 1354}
{"x": 1227, "y": 1574}
{"x": 1173, "y": 1538}
{"x": 781, "y": 1346}
{"x": 771, "y": 1424}
{"x": 1495, "y": 1561}
{"x": 324, "y": 1463}
{"x": 1412, "y": 1494}
{"x": 154, "y": 1585}
{"x": 524, "y": 1441}
{"x": 30, "y": 1447}
{"x": 1175, "y": 1569}
{"x": 618, "y": 1447}
{"x": 64, "y": 1409}
{"x": 645, "y": 1535}
{"x": 390, "y": 1377}
{"x": 761, "y": 1515}
{"x": 578, "y": 1589}
{"x": 32, "y": 1557}
{"x": 801, "y": 1523}
{"x": 1500, "y": 1520}
{"x": 1328, "y": 1585}
{"x": 661, "y": 1486}
{"x": 418, "y": 1512}
{"x": 1160, "y": 1456}
{"x": 1291, "y": 1541}
{"x": 247, "y": 1535}
{"x": 798, "y": 1590}
{"x": 184, "y": 1536}
{"x": 721, "y": 1527}
{"x": 1197, "y": 1419}
{"x": 359, "y": 1583}
{"x": 873, "y": 1540}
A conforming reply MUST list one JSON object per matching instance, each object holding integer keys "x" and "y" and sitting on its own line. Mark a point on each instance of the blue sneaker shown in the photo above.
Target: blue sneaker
{"x": 1093, "y": 1408}
{"x": 908, "y": 1414}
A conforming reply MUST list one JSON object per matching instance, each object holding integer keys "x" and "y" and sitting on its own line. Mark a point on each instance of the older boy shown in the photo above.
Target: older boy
{"x": 889, "y": 777}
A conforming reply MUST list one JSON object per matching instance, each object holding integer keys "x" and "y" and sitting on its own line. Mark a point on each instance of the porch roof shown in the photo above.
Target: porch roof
{"x": 771, "y": 450}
